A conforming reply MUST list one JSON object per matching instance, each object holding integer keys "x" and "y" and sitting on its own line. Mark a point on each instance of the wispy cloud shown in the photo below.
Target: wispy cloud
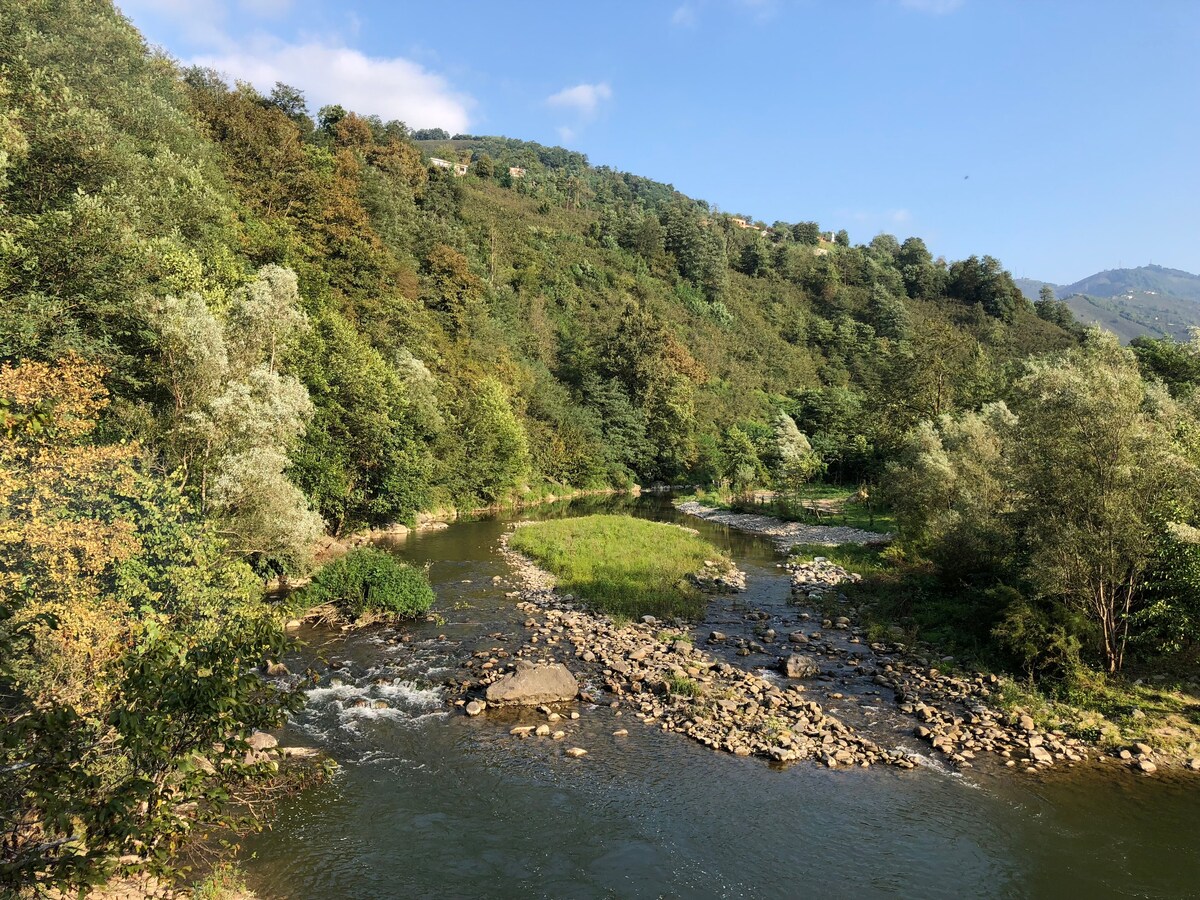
{"x": 683, "y": 17}
{"x": 325, "y": 68}
{"x": 391, "y": 87}
{"x": 583, "y": 98}
{"x": 932, "y": 7}
{"x": 887, "y": 218}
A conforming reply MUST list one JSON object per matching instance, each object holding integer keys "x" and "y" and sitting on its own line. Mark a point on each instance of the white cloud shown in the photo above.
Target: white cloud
{"x": 684, "y": 16}
{"x": 933, "y": 7}
{"x": 325, "y": 68}
{"x": 565, "y": 133}
{"x": 393, "y": 88}
{"x": 584, "y": 98}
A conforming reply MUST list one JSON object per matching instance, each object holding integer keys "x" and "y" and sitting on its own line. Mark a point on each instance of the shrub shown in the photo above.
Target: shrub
{"x": 369, "y": 580}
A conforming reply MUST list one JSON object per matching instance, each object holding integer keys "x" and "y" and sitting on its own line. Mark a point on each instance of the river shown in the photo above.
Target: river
{"x": 430, "y": 803}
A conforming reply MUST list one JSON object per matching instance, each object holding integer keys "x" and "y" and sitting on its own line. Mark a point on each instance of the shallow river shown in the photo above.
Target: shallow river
{"x": 429, "y": 803}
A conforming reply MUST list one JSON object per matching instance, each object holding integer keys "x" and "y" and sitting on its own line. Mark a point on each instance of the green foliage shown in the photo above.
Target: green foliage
{"x": 130, "y": 639}
{"x": 1074, "y": 498}
{"x": 368, "y": 581}
{"x": 621, "y": 565}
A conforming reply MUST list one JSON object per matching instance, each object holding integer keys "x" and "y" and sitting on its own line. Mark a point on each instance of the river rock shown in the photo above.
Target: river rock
{"x": 475, "y": 707}
{"x": 1147, "y": 767}
{"x": 533, "y": 685}
{"x": 260, "y": 740}
{"x": 576, "y": 752}
{"x": 799, "y": 665}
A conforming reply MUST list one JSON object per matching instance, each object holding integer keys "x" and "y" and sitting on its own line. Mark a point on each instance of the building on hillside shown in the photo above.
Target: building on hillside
{"x": 516, "y": 172}
{"x": 740, "y": 223}
{"x": 460, "y": 169}
{"x": 441, "y": 163}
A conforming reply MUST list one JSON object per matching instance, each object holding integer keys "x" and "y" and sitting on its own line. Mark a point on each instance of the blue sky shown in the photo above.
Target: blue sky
{"x": 1061, "y": 137}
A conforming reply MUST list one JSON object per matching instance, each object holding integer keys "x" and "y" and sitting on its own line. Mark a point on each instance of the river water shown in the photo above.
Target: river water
{"x": 429, "y": 803}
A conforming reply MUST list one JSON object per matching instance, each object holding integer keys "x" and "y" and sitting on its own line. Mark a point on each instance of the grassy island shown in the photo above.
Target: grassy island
{"x": 622, "y": 565}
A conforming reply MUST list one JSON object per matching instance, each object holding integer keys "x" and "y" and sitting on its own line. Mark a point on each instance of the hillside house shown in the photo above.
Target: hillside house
{"x": 460, "y": 169}
{"x": 440, "y": 163}
{"x": 516, "y": 172}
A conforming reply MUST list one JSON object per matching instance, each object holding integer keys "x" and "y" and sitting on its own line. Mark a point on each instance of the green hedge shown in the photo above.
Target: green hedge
{"x": 368, "y": 580}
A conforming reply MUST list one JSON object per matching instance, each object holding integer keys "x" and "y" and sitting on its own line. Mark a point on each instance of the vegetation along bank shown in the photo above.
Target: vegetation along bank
{"x": 233, "y": 326}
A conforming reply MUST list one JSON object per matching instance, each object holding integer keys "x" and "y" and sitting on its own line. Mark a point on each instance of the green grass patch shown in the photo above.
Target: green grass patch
{"x": 682, "y": 686}
{"x": 621, "y": 565}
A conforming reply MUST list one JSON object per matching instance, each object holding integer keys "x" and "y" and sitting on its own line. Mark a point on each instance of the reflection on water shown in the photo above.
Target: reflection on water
{"x": 432, "y": 804}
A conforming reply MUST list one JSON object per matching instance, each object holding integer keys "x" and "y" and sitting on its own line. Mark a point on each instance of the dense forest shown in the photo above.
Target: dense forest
{"x": 230, "y": 325}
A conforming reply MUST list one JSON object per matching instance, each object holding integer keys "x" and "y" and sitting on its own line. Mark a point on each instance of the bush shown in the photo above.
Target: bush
{"x": 371, "y": 581}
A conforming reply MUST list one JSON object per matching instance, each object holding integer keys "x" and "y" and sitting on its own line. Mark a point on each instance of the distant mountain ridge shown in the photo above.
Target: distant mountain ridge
{"x": 1146, "y": 300}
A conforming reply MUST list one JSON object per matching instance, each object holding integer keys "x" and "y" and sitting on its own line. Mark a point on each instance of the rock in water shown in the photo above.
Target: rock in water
{"x": 534, "y": 685}
{"x": 798, "y": 665}
{"x": 576, "y": 752}
{"x": 475, "y": 707}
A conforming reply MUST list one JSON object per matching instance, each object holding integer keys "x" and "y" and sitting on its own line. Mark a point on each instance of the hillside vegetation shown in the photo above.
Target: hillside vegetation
{"x": 230, "y": 325}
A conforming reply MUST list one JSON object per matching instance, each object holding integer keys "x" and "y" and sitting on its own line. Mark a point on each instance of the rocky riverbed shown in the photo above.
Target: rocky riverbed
{"x": 652, "y": 669}
{"x": 792, "y": 686}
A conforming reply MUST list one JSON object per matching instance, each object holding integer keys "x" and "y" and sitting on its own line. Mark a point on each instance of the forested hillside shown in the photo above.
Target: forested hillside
{"x": 231, "y": 324}
{"x": 444, "y": 340}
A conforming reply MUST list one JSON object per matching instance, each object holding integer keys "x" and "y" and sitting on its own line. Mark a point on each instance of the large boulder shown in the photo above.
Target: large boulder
{"x": 533, "y": 685}
{"x": 799, "y": 665}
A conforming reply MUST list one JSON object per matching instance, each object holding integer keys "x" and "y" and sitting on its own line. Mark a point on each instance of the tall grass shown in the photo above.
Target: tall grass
{"x": 621, "y": 565}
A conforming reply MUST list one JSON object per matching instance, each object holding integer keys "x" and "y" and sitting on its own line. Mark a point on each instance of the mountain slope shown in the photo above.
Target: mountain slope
{"x": 1148, "y": 300}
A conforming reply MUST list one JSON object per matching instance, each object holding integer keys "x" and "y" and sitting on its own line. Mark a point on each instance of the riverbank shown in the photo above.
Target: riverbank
{"x": 962, "y": 714}
{"x": 783, "y": 532}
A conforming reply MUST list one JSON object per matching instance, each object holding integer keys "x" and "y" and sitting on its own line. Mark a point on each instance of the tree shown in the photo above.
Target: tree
{"x": 798, "y": 463}
{"x": 494, "y": 442}
{"x": 235, "y": 416}
{"x": 842, "y": 238}
{"x": 742, "y": 467}
{"x": 1096, "y": 462}
{"x": 127, "y": 685}
{"x": 808, "y": 233}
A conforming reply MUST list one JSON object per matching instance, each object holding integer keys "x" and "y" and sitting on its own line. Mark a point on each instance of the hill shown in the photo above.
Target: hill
{"x": 307, "y": 319}
{"x": 1149, "y": 300}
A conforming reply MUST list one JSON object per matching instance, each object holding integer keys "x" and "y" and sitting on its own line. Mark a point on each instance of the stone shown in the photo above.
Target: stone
{"x": 621, "y": 732}
{"x": 717, "y": 637}
{"x": 576, "y": 752}
{"x": 260, "y": 740}
{"x": 475, "y": 707}
{"x": 798, "y": 637}
{"x": 1147, "y": 767}
{"x": 558, "y": 735}
{"x": 1041, "y": 755}
{"x": 799, "y": 665}
{"x": 1027, "y": 723}
{"x": 542, "y": 731}
{"x": 276, "y": 670}
{"x": 533, "y": 685}
{"x": 521, "y": 730}
{"x": 1194, "y": 764}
